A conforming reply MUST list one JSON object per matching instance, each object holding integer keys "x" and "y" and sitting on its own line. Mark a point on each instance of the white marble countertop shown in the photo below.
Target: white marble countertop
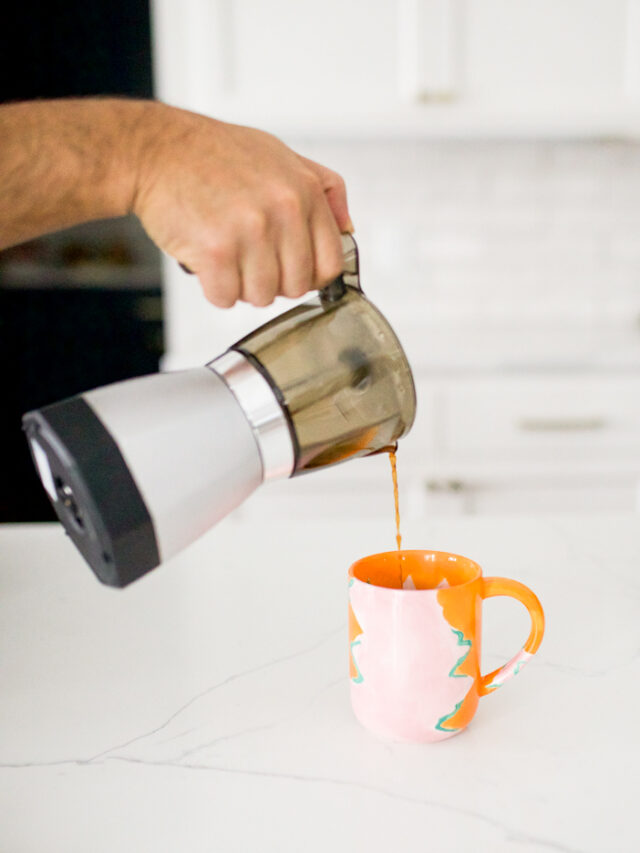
{"x": 206, "y": 707}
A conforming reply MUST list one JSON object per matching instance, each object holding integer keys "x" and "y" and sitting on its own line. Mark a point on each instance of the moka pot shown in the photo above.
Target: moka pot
{"x": 138, "y": 470}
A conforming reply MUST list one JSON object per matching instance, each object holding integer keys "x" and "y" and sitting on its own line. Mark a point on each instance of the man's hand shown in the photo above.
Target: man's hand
{"x": 251, "y": 217}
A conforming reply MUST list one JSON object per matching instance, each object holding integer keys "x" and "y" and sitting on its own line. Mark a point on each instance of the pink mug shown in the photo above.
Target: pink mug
{"x": 414, "y": 642}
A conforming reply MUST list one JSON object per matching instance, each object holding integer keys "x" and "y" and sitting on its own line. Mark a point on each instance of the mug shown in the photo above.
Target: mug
{"x": 414, "y": 642}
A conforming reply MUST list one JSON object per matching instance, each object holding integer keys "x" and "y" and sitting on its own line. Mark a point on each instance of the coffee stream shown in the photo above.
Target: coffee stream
{"x": 394, "y": 476}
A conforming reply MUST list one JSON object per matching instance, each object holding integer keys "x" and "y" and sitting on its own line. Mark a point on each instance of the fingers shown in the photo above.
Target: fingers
{"x": 287, "y": 253}
{"x": 327, "y": 246}
{"x": 307, "y": 256}
{"x": 219, "y": 275}
{"x": 245, "y": 266}
{"x": 335, "y": 192}
{"x": 296, "y": 254}
{"x": 309, "y": 245}
{"x": 259, "y": 264}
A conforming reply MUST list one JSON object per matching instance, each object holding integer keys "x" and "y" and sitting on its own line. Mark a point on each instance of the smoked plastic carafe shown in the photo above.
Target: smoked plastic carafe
{"x": 138, "y": 470}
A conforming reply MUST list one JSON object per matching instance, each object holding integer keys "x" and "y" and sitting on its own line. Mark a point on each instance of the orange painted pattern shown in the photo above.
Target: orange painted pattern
{"x": 460, "y": 613}
{"x": 354, "y": 631}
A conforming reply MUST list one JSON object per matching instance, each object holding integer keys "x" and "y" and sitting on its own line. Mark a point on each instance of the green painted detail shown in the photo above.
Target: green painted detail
{"x": 358, "y": 679}
{"x": 461, "y": 642}
{"x": 500, "y": 674}
{"x": 455, "y": 674}
{"x": 351, "y": 582}
{"x": 446, "y": 717}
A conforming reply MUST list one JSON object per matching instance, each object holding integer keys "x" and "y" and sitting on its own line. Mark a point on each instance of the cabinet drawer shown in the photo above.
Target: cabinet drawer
{"x": 536, "y": 417}
{"x": 542, "y": 497}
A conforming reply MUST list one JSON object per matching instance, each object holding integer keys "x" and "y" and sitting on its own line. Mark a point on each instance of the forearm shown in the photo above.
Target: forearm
{"x": 248, "y": 215}
{"x": 65, "y": 162}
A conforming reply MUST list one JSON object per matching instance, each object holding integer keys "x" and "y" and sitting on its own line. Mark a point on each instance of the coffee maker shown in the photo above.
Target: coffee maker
{"x": 138, "y": 470}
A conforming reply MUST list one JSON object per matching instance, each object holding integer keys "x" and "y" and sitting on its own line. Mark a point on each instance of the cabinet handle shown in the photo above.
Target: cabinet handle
{"x": 584, "y": 424}
{"x": 446, "y": 486}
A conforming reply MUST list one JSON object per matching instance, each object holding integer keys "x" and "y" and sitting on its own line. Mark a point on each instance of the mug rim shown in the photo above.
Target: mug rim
{"x": 475, "y": 566}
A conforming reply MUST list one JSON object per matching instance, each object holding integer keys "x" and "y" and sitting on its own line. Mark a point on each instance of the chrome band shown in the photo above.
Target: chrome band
{"x": 264, "y": 413}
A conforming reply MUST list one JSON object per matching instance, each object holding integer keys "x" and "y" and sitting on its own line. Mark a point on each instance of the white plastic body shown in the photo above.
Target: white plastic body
{"x": 188, "y": 445}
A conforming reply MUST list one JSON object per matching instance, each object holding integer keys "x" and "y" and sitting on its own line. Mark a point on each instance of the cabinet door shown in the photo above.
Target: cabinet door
{"x": 544, "y": 419}
{"x": 302, "y": 60}
{"x": 314, "y": 54}
{"x": 545, "y": 53}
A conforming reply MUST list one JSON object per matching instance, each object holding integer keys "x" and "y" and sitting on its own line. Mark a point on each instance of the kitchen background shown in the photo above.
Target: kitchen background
{"x": 82, "y": 307}
{"x": 491, "y": 155}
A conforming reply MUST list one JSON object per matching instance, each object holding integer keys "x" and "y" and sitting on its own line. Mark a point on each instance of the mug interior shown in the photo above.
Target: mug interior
{"x": 415, "y": 570}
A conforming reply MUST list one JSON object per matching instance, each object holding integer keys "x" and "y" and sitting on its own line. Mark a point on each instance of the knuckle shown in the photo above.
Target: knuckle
{"x": 255, "y": 223}
{"x": 337, "y": 181}
{"x": 219, "y": 255}
{"x": 288, "y": 203}
{"x": 217, "y": 250}
{"x": 313, "y": 183}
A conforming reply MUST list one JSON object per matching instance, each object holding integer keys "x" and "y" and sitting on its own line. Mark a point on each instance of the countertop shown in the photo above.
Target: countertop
{"x": 206, "y": 707}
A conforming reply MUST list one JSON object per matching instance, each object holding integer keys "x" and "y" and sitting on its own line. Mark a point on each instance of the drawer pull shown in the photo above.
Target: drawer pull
{"x": 561, "y": 424}
{"x": 446, "y": 486}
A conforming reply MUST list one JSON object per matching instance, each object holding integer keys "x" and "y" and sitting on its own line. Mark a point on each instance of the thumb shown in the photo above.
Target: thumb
{"x": 335, "y": 192}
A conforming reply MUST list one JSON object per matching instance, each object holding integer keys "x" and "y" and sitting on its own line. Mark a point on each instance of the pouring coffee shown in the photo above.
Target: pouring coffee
{"x": 138, "y": 470}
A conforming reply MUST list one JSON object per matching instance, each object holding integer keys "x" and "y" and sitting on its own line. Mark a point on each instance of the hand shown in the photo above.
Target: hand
{"x": 248, "y": 215}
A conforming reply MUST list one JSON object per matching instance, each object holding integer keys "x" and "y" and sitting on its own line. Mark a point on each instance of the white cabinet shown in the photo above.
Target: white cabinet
{"x": 532, "y": 443}
{"x": 424, "y": 67}
{"x": 540, "y": 418}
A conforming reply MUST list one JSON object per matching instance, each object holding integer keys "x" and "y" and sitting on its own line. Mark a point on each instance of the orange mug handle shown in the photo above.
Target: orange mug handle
{"x": 504, "y": 586}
